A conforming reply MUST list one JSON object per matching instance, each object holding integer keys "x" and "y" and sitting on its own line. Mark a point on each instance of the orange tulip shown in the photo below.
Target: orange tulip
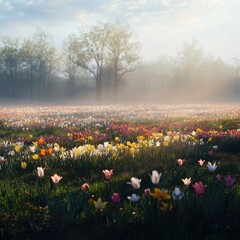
{"x": 43, "y": 152}
{"x": 50, "y": 151}
{"x": 41, "y": 141}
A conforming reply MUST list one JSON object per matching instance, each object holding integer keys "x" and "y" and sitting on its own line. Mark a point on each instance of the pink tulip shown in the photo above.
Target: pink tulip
{"x": 85, "y": 187}
{"x": 199, "y": 188}
{"x": 180, "y": 161}
{"x": 108, "y": 174}
{"x": 147, "y": 191}
{"x": 218, "y": 177}
{"x": 229, "y": 181}
{"x": 56, "y": 178}
{"x": 116, "y": 198}
{"x": 201, "y": 162}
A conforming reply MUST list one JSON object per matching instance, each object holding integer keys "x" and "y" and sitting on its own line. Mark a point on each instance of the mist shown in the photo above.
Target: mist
{"x": 103, "y": 65}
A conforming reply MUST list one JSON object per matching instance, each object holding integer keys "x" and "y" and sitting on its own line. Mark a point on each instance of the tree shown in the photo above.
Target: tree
{"x": 46, "y": 61}
{"x": 10, "y": 60}
{"x": 28, "y": 58}
{"x": 108, "y": 48}
{"x": 189, "y": 60}
{"x": 71, "y": 53}
{"x": 122, "y": 51}
{"x": 92, "y": 53}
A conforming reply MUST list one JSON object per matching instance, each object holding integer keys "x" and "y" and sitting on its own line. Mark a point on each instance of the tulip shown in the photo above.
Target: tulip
{"x": 85, "y": 187}
{"x": 23, "y": 165}
{"x": 229, "y": 180}
{"x": 199, "y": 188}
{"x": 201, "y": 162}
{"x": 40, "y": 171}
{"x": 180, "y": 161}
{"x": 32, "y": 149}
{"x": 108, "y": 174}
{"x": 133, "y": 197}
{"x": 211, "y": 167}
{"x": 17, "y": 148}
{"x": 147, "y": 192}
{"x": 116, "y": 198}
{"x": 35, "y": 157}
{"x": 99, "y": 204}
{"x": 155, "y": 177}
{"x": 41, "y": 141}
{"x": 177, "y": 194}
{"x": 56, "y": 178}
{"x": 135, "y": 182}
{"x": 186, "y": 181}
{"x": 218, "y": 177}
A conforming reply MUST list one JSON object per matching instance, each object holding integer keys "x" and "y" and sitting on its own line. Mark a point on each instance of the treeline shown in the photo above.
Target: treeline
{"x": 103, "y": 62}
{"x": 93, "y": 60}
{"x": 190, "y": 76}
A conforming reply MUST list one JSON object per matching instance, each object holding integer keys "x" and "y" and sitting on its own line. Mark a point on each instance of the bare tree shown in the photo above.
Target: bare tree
{"x": 28, "y": 58}
{"x": 122, "y": 51}
{"x": 10, "y": 59}
{"x": 46, "y": 61}
{"x": 71, "y": 51}
{"x": 92, "y": 53}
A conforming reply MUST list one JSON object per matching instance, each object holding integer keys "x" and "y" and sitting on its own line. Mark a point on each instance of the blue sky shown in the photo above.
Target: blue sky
{"x": 160, "y": 25}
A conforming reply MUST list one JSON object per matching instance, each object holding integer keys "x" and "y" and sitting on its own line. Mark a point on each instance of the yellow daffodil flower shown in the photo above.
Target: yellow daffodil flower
{"x": 160, "y": 195}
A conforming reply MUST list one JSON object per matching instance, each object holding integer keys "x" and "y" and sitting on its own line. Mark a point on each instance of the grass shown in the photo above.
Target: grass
{"x": 33, "y": 207}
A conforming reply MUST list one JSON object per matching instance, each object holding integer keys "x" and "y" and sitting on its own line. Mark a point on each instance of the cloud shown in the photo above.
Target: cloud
{"x": 161, "y": 25}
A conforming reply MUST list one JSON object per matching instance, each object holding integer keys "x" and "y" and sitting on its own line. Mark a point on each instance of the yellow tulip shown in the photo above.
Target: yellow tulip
{"x": 17, "y": 148}
{"x": 99, "y": 204}
{"x": 35, "y": 157}
{"x": 23, "y": 165}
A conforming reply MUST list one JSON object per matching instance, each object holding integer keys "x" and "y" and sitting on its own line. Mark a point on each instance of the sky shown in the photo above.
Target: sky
{"x": 161, "y": 26}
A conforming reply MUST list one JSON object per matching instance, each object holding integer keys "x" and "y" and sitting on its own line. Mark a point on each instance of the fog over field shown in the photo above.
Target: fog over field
{"x": 111, "y": 51}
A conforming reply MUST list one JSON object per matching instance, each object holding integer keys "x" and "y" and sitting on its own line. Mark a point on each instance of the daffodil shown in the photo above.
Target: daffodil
{"x": 166, "y": 206}
{"x": 160, "y": 195}
{"x": 62, "y": 149}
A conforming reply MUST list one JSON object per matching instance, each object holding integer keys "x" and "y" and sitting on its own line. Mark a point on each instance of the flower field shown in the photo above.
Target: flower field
{"x": 120, "y": 172}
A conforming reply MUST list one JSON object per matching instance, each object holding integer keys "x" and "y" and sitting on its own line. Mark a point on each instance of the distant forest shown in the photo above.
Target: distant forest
{"x": 102, "y": 63}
